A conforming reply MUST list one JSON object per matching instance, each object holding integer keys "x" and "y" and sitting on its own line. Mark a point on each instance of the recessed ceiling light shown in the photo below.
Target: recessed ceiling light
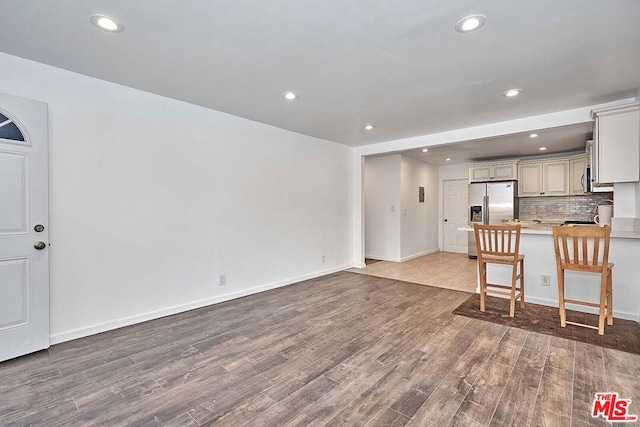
{"x": 448, "y": 159}
{"x": 368, "y": 127}
{"x": 533, "y": 135}
{"x": 290, "y": 96}
{"x": 424, "y": 150}
{"x": 470, "y": 23}
{"x": 512, "y": 92}
{"x": 106, "y": 23}
{"x": 542, "y": 148}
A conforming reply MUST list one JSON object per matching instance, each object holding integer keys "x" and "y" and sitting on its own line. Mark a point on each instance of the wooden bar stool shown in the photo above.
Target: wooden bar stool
{"x": 499, "y": 244}
{"x": 585, "y": 249}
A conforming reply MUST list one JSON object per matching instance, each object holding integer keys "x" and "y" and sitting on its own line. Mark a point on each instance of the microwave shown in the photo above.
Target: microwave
{"x": 586, "y": 180}
{"x": 589, "y": 186}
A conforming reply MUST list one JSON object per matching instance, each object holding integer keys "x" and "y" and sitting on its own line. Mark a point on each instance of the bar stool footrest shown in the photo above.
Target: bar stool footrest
{"x": 582, "y": 324}
{"x": 589, "y": 304}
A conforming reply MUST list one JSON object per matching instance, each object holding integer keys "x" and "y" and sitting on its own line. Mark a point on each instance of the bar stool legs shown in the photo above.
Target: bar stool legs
{"x": 586, "y": 250}
{"x": 610, "y": 298}
{"x": 563, "y": 313}
{"x": 605, "y": 310}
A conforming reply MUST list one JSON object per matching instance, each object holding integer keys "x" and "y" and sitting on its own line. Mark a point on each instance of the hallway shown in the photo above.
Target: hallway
{"x": 441, "y": 269}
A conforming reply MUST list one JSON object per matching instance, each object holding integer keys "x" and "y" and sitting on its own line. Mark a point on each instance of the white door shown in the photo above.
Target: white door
{"x": 24, "y": 225}
{"x": 456, "y": 195}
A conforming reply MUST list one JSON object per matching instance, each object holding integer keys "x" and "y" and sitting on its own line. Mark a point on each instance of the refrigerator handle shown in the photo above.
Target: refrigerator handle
{"x": 485, "y": 207}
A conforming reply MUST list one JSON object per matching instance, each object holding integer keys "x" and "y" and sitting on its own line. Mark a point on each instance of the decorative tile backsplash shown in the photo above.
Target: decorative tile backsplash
{"x": 562, "y": 208}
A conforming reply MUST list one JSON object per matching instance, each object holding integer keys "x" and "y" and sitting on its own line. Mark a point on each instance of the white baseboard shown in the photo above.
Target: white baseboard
{"x": 554, "y": 303}
{"x": 382, "y": 258}
{"x": 168, "y": 311}
{"x": 407, "y": 258}
{"x": 403, "y": 259}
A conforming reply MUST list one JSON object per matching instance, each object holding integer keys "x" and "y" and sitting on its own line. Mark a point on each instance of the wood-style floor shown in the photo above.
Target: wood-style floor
{"x": 441, "y": 269}
{"x": 346, "y": 349}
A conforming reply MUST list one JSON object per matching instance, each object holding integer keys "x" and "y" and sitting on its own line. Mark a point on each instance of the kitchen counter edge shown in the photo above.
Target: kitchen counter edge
{"x": 548, "y": 230}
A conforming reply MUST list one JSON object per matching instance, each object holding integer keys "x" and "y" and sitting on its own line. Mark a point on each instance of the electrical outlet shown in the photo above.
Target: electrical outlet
{"x": 545, "y": 280}
{"x": 322, "y": 260}
{"x": 223, "y": 279}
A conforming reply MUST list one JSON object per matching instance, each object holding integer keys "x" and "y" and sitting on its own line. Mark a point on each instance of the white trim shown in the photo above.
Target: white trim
{"x": 403, "y": 259}
{"x": 127, "y": 321}
{"x": 382, "y": 258}
{"x": 407, "y": 258}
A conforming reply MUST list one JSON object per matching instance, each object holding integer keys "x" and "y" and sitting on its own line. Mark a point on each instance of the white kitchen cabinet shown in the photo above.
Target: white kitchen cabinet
{"x": 543, "y": 178}
{"x": 530, "y": 180}
{"x": 504, "y": 172}
{"x": 616, "y": 144}
{"x": 479, "y": 173}
{"x": 555, "y": 178}
{"x": 493, "y": 172}
{"x": 577, "y": 167}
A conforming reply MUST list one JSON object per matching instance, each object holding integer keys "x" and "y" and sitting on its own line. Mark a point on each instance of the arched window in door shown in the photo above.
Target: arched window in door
{"x": 9, "y": 130}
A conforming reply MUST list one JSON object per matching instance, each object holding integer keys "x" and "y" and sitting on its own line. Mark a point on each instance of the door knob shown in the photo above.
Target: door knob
{"x": 39, "y": 245}
{"x": 38, "y": 228}
{"x": 445, "y": 220}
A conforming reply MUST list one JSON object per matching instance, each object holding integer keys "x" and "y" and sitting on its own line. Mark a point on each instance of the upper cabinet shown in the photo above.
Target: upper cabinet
{"x": 502, "y": 171}
{"x": 530, "y": 179}
{"x": 616, "y": 144}
{"x": 555, "y": 178}
{"x": 543, "y": 178}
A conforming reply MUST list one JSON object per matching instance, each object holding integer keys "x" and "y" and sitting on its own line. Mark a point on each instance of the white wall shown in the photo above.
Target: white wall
{"x": 397, "y": 227}
{"x": 624, "y": 196}
{"x": 460, "y": 171}
{"x": 382, "y": 184}
{"x": 152, "y": 199}
{"x": 419, "y": 221}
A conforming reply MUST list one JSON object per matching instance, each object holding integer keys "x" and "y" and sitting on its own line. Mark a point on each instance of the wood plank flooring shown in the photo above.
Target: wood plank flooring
{"x": 341, "y": 350}
{"x": 441, "y": 269}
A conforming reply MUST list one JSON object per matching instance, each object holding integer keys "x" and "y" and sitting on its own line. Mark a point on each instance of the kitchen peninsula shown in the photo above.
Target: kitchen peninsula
{"x": 536, "y": 243}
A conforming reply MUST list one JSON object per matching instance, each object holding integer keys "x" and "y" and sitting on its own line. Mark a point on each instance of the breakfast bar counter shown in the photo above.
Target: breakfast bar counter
{"x": 548, "y": 230}
{"x": 536, "y": 243}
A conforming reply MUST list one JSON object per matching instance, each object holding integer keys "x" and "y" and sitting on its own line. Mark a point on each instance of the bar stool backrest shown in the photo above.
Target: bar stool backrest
{"x": 497, "y": 242}
{"x": 582, "y": 248}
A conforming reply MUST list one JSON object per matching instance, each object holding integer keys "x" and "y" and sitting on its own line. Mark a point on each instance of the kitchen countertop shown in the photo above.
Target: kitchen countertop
{"x": 547, "y": 229}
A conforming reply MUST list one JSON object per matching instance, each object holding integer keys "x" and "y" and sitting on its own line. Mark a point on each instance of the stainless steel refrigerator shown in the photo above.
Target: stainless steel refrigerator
{"x": 491, "y": 203}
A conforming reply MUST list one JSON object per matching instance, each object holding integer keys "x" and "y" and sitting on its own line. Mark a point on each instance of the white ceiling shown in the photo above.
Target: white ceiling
{"x": 399, "y": 65}
{"x": 558, "y": 140}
